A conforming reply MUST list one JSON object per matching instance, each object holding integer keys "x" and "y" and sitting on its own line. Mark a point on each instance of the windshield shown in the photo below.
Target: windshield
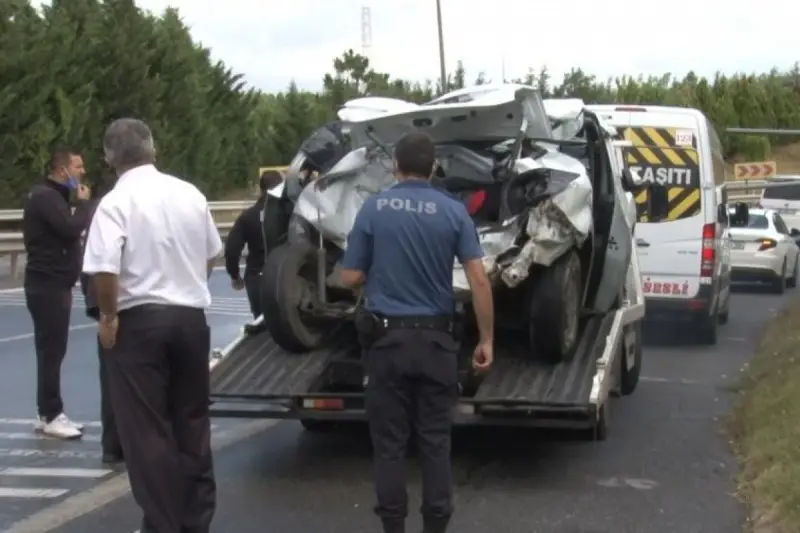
{"x": 783, "y": 193}
{"x": 754, "y": 222}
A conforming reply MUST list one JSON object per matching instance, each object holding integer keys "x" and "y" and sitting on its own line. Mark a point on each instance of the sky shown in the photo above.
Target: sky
{"x": 273, "y": 42}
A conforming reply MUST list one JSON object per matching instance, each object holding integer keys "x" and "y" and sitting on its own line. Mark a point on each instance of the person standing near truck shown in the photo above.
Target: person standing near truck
{"x": 402, "y": 248}
{"x": 52, "y": 236}
{"x": 109, "y": 439}
{"x": 247, "y": 231}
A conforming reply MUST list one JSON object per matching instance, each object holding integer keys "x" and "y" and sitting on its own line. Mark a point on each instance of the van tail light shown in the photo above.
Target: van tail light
{"x": 767, "y": 244}
{"x": 708, "y": 253}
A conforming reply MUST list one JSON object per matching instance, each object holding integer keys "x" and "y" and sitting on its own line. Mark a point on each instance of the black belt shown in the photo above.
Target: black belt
{"x": 442, "y": 323}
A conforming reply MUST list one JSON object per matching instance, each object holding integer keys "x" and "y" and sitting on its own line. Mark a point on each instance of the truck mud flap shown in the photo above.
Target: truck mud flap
{"x": 259, "y": 369}
{"x": 517, "y": 378}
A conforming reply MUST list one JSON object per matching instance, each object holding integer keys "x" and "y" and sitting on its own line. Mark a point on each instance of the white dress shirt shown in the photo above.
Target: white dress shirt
{"x": 156, "y": 233}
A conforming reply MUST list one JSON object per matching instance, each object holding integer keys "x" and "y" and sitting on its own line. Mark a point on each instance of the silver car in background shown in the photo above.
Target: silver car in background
{"x": 764, "y": 250}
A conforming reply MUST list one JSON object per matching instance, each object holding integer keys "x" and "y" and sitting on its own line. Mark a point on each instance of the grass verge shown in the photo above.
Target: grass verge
{"x": 765, "y": 426}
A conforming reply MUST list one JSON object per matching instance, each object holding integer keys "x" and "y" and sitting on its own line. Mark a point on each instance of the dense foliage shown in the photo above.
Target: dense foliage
{"x": 70, "y": 68}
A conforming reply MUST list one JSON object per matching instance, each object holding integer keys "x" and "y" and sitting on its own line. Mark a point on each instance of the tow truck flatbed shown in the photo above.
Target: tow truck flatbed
{"x": 254, "y": 378}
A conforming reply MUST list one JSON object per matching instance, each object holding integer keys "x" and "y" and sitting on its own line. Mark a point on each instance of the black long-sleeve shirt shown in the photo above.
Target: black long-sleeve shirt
{"x": 52, "y": 235}
{"x": 246, "y": 230}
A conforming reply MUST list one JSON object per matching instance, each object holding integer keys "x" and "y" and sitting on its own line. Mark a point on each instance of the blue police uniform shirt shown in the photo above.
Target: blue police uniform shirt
{"x": 405, "y": 240}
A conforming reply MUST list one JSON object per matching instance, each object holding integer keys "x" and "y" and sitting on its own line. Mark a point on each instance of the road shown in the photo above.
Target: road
{"x": 665, "y": 467}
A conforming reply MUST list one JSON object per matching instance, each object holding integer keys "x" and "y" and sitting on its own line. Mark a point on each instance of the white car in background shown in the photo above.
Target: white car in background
{"x": 764, "y": 251}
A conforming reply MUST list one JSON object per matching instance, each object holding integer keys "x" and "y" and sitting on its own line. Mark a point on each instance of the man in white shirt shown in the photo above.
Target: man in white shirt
{"x": 151, "y": 247}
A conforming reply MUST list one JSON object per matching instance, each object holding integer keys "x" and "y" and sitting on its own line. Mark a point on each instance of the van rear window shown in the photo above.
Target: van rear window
{"x": 666, "y": 157}
{"x": 783, "y": 193}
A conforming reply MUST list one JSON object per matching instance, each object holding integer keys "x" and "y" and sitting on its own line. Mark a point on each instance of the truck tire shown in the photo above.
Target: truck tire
{"x": 283, "y": 287}
{"x": 629, "y": 377}
{"x": 555, "y": 308}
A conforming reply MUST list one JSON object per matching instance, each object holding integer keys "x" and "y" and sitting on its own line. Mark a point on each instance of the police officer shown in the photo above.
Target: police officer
{"x": 247, "y": 230}
{"x": 402, "y": 248}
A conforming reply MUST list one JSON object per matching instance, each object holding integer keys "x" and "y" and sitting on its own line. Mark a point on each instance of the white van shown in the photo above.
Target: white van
{"x": 684, "y": 252}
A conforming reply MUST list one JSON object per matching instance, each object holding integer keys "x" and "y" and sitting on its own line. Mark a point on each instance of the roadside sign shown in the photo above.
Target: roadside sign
{"x": 757, "y": 170}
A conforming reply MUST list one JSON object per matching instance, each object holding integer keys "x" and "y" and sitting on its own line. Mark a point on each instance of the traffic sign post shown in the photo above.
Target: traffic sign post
{"x": 758, "y": 170}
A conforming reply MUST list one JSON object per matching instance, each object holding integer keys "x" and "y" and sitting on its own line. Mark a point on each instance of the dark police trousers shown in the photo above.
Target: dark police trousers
{"x": 412, "y": 382}
{"x": 159, "y": 383}
{"x": 50, "y": 308}
{"x": 252, "y": 285}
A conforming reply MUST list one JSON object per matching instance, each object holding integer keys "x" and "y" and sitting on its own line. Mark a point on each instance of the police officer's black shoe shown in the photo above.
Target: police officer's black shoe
{"x": 393, "y": 525}
{"x": 435, "y": 524}
{"x": 252, "y": 329}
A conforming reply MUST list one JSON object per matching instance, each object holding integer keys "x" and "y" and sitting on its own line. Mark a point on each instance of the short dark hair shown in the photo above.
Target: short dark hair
{"x": 269, "y": 179}
{"x": 415, "y": 154}
{"x": 60, "y": 156}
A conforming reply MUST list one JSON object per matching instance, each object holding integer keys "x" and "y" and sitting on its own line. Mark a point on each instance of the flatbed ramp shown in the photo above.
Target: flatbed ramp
{"x": 257, "y": 368}
{"x": 520, "y": 379}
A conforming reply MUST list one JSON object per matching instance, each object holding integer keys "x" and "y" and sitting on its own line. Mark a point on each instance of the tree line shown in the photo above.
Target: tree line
{"x": 70, "y": 68}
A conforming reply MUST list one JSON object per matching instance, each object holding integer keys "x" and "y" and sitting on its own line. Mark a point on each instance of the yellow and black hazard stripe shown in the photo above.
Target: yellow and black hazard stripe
{"x": 656, "y": 147}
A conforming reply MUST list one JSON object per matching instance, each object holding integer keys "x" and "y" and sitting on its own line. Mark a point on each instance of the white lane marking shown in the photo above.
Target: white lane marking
{"x": 625, "y": 482}
{"x": 38, "y": 436}
{"x": 109, "y": 491}
{"x": 30, "y": 335}
{"x": 92, "y": 473}
{"x": 13, "y": 290}
{"x": 735, "y": 339}
{"x": 10, "y": 492}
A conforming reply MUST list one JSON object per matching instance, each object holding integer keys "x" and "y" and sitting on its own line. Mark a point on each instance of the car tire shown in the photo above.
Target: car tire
{"x": 555, "y": 308}
{"x": 724, "y": 313}
{"x": 779, "y": 283}
{"x": 282, "y": 314}
{"x": 629, "y": 377}
{"x": 792, "y": 281}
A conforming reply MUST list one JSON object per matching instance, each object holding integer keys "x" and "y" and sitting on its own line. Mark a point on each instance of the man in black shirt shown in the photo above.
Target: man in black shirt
{"x": 247, "y": 230}
{"x": 52, "y": 235}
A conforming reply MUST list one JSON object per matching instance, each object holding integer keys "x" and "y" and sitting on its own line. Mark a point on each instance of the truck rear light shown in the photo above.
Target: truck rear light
{"x": 631, "y": 109}
{"x": 330, "y": 404}
{"x": 708, "y": 252}
{"x": 767, "y": 244}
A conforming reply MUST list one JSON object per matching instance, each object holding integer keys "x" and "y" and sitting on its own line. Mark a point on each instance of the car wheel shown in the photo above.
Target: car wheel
{"x": 779, "y": 283}
{"x": 289, "y": 285}
{"x": 555, "y": 308}
{"x": 630, "y": 371}
{"x": 792, "y": 281}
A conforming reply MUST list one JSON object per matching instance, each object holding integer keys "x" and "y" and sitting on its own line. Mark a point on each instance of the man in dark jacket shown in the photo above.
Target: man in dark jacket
{"x": 52, "y": 234}
{"x": 247, "y": 230}
{"x": 112, "y": 449}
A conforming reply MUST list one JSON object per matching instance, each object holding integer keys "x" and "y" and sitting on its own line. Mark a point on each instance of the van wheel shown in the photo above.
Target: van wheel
{"x": 792, "y": 281}
{"x": 779, "y": 283}
{"x": 629, "y": 377}
{"x": 709, "y": 329}
{"x": 555, "y": 307}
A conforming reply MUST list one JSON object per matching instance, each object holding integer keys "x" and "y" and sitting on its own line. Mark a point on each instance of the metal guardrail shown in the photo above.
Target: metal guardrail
{"x": 11, "y": 243}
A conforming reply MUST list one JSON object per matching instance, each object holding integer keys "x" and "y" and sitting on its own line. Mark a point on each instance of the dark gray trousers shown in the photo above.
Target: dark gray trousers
{"x": 159, "y": 384}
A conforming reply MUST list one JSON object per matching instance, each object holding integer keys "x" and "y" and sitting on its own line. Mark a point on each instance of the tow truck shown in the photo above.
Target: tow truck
{"x": 252, "y": 377}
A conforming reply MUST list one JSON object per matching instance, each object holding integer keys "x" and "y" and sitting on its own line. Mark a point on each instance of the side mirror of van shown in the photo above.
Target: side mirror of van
{"x": 631, "y": 182}
{"x": 741, "y": 215}
{"x": 657, "y": 203}
{"x": 722, "y": 214}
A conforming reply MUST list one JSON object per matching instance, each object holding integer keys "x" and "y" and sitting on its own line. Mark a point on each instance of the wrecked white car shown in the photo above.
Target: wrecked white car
{"x": 547, "y": 207}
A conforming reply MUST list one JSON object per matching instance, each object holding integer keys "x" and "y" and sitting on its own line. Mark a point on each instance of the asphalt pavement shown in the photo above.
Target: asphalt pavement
{"x": 665, "y": 467}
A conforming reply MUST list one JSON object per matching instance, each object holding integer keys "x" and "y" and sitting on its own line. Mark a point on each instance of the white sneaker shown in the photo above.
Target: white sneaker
{"x": 61, "y": 428}
{"x": 76, "y": 425}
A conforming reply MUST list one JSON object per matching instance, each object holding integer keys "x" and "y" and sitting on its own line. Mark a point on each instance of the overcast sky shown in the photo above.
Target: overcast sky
{"x": 272, "y": 42}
